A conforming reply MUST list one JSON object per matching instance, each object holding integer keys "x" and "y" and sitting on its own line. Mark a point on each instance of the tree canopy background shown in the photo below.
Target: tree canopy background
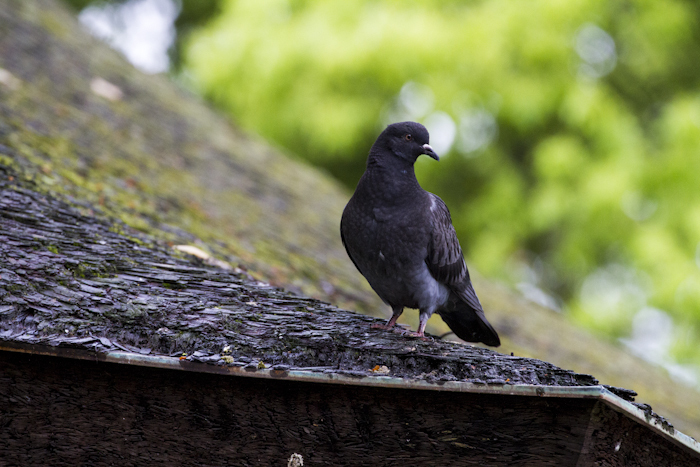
{"x": 569, "y": 133}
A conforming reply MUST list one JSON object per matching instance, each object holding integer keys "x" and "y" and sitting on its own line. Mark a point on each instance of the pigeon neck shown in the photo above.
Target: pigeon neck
{"x": 389, "y": 173}
{"x": 395, "y": 165}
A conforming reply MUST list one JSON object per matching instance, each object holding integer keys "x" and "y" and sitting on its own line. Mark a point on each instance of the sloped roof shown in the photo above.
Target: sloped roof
{"x": 75, "y": 279}
{"x": 77, "y": 284}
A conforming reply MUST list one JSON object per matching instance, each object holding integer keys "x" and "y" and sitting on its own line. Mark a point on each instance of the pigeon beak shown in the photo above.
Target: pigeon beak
{"x": 429, "y": 152}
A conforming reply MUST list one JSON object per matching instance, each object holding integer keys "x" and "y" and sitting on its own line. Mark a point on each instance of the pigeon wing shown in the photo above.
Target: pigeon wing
{"x": 445, "y": 259}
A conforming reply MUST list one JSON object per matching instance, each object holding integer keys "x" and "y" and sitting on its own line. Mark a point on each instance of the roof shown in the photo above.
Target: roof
{"x": 162, "y": 161}
{"x": 80, "y": 285}
{"x": 82, "y": 281}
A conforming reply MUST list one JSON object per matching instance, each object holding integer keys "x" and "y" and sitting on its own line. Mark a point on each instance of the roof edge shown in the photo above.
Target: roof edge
{"x": 328, "y": 376}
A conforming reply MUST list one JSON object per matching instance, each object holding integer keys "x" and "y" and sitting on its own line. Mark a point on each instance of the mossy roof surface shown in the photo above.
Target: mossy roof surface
{"x": 71, "y": 277}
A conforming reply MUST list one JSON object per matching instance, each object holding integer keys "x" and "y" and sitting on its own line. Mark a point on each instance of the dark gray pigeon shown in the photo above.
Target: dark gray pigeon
{"x": 401, "y": 239}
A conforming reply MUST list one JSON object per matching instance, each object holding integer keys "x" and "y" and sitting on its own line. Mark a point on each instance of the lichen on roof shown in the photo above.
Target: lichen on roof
{"x": 71, "y": 277}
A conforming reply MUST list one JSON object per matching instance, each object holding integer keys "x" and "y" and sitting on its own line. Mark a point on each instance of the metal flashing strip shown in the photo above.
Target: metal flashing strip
{"x": 333, "y": 377}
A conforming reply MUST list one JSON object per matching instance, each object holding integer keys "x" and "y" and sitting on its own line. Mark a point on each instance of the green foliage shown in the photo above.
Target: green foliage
{"x": 573, "y": 158}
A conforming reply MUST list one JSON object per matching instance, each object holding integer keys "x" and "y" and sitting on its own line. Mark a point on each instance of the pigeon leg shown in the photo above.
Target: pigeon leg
{"x": 390, "y": 324}
{"x": 422, "y": 322}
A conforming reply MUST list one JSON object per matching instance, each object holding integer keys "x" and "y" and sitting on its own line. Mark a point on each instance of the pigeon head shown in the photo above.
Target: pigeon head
{"x": 405, "y": 140}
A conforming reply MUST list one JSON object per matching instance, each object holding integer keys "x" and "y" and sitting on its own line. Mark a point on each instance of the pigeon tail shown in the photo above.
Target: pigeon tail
{"x": 467, "y": 323}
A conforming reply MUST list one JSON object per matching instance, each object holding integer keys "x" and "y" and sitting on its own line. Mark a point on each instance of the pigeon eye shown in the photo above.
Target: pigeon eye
{"x": 409, "y": 137}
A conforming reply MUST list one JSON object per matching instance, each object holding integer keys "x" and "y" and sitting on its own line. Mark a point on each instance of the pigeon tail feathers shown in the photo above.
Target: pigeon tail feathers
{"x": 468, "y": 323}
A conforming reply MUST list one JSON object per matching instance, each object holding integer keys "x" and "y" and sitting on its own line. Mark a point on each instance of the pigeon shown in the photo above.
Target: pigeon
{"x": 401, "y": 238}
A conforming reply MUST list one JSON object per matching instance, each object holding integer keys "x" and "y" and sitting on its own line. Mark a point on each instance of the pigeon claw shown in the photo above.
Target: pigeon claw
{"x": 420, "y": 336}
{"x": 389, "y": 324}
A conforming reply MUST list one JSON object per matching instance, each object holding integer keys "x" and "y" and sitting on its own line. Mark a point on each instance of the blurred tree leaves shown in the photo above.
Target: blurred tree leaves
{"x": 573, "y": 128}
